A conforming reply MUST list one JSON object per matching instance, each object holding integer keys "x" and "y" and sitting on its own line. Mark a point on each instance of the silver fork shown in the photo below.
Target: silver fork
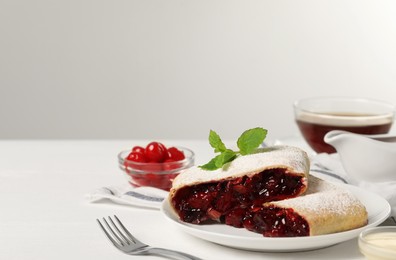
{"x": 124, "y": 241}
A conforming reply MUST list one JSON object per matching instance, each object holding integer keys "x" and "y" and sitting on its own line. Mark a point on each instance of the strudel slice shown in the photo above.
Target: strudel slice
{"x": 271, "y": 174}
{"x": 324, "y": 209}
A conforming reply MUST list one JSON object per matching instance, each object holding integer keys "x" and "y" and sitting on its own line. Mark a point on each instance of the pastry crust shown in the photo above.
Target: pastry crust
{"x": 294, "y": 160}
{"x": 327, "y": 208}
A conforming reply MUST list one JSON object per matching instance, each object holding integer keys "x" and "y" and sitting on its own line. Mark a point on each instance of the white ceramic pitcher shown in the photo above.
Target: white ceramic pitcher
{"x": 365, "y": 157}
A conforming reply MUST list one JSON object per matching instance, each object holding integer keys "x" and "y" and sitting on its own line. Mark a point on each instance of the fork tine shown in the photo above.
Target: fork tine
{"x": 131, "y": 237}
{"x": 120, "y": 234}
{"x": 118, "y": 238}
{"x": 115, "y": 243}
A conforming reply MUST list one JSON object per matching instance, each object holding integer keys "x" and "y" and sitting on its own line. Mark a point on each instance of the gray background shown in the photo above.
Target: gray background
{"x": 175, "y": 69}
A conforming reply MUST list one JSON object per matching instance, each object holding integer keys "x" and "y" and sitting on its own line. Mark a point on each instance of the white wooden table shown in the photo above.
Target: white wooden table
{"x": 44, "y": 214}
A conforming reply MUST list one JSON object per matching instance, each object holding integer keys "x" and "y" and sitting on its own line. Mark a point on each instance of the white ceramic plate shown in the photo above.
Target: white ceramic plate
{"x": 377, "y": 207}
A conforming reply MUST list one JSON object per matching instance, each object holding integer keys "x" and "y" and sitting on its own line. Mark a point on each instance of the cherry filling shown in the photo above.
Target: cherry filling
{"x": 269, "y": 221}
{"x": 229, "y": 201}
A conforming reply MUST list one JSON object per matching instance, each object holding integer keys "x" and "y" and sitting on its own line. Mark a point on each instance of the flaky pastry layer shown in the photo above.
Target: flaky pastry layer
{"x": 293, "y": 159}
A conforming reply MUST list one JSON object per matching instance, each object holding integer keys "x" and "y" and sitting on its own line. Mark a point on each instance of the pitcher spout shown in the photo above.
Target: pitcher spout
{"x": 336, "y": 136}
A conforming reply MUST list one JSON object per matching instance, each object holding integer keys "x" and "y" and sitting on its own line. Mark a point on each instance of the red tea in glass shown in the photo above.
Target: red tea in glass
{"x": 316, "y": 117}
{"x": 314, "y": 128}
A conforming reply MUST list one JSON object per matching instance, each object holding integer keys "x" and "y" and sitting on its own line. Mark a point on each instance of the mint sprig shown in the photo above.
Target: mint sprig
{"x": 247, "y": 143}
{"x": 216, "y": 142}
{"x": 250, "y": 140}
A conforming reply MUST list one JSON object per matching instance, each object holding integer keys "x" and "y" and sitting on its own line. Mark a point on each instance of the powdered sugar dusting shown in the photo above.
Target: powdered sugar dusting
{"x": 323, "y": 198}
{"x": 293, "y": 159}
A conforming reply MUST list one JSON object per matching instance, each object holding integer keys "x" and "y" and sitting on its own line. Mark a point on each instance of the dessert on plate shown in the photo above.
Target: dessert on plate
{"x": 268, "y": 192}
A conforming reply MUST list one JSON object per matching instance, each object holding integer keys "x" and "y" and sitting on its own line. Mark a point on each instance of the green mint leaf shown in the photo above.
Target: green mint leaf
{"x": 211, "y": 165}
{"x": 225, "y": 157}
{"x": 251, "y": 139}
{"x": 216, "y": 142}
{"x": 247, "y": 143}
{"x": 221, "y": 159}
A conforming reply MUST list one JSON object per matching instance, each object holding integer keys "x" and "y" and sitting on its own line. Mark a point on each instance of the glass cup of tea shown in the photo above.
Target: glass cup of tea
{"x": 317, "y": 116}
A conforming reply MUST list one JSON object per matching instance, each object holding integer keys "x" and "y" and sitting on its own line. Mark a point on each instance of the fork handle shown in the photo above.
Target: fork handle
{"x": 171, "y": 253}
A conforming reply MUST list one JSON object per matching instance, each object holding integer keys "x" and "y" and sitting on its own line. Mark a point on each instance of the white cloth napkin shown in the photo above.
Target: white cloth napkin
{"x": 146, "y": 197}
{"x": 329, "y": 167}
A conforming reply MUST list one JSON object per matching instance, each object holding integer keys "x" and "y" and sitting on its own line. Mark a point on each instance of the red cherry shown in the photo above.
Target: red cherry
{"x": 175, "y": 154}
{"x": 136, "y": 157}
{"x": 163, "y": 147}
{"x": 156, "y": 152}
{"x": 138, "y": 180}
{"x": 152, "y": 167}
{"x": 133, "y": 161}
{"x": 138, "y": 149}
{"x": 161, "y": 181}
{"x": 170, "y": 164}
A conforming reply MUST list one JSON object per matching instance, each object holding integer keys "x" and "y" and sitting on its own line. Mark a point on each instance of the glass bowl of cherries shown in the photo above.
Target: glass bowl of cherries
{"x": 154, "y": 165}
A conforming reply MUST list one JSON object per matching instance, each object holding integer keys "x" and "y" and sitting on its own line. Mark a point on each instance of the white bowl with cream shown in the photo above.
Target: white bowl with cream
{"x": 378, "y": 243}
